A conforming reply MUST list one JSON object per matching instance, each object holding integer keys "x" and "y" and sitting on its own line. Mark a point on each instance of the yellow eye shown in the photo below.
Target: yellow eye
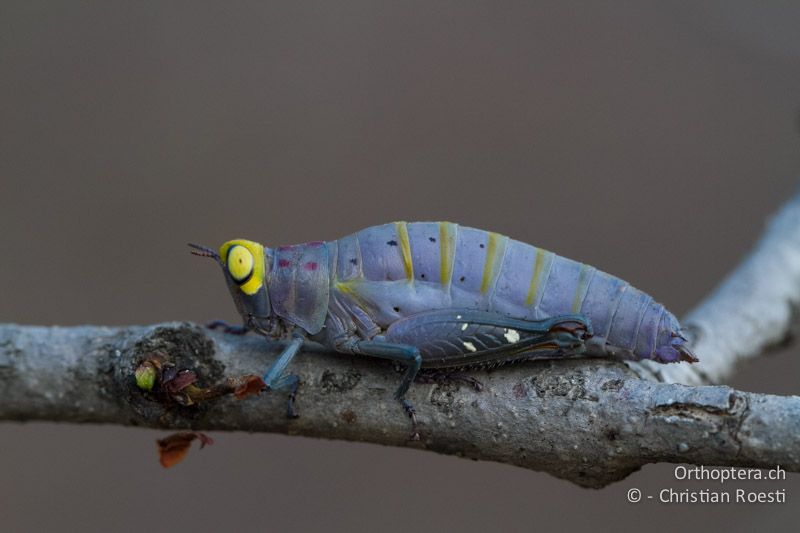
{"x": 240, "y": 263}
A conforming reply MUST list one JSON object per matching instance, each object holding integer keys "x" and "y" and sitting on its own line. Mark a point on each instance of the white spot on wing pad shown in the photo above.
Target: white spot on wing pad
{"x": 463, "y": 326}
{"x": 511, "y": 335}
{"x": 469, "y": 346}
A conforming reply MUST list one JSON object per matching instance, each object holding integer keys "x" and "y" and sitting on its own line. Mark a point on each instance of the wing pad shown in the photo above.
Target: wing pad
{"x": 456, "y": 338}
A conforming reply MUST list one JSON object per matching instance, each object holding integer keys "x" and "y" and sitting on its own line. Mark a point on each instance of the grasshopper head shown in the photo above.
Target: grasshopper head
{"x": 244, "y": 265}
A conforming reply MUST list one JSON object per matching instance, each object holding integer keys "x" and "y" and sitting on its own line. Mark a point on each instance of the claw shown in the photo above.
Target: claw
{"x": 291, "y": 412}
{"x": 227, "y": 328}
{"x": 412, "y": 414}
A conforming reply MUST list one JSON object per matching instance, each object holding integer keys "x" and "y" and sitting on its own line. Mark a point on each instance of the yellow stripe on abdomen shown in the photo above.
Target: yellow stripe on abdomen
{"x": 405, "y": 249}
{"x": 536, "y": 278}
{"x": 447, "y": 251}
{"x": 495, "y": 249}
{"x": 584, "y": 277}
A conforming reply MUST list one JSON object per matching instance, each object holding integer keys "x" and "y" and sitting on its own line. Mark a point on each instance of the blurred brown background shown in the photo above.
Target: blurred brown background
{"x": 649, "y": 139}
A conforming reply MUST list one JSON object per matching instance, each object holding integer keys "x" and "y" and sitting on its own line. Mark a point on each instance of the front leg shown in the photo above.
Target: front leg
{"x": 275, "y": 379}
{"x": 228, "y": 328}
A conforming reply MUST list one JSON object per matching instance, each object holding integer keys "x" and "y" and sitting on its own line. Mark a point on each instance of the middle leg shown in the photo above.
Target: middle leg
{"x": 401, "y": 353}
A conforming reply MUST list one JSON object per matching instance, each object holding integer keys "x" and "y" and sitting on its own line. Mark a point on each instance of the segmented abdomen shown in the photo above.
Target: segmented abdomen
{"x": 399, "y": 269}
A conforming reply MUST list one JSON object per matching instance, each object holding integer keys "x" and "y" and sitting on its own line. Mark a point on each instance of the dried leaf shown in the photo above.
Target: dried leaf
{"x": 170, "y": 384}
{"x": 180, "y": 381}
{"x": 157, "y": 359}
{"x": 245, "y": 386}
{"x": 168, "y": 372}
{"x": 173, "y": 449}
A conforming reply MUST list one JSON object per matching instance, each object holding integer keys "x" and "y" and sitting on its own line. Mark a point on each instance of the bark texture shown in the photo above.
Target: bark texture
{"x": 588, "y": 421}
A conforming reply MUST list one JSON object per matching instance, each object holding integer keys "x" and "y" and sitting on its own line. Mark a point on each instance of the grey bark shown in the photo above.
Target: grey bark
{"x": 588, "y": 421}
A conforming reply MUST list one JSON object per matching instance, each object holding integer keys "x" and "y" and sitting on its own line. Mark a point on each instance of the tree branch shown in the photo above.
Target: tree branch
{"x": 589, "y": 421}
{"x": 752, "y": 310}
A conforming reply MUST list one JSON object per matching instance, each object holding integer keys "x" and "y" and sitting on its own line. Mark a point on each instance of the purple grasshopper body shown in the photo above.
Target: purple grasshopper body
{"x": 435, "y": 294}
